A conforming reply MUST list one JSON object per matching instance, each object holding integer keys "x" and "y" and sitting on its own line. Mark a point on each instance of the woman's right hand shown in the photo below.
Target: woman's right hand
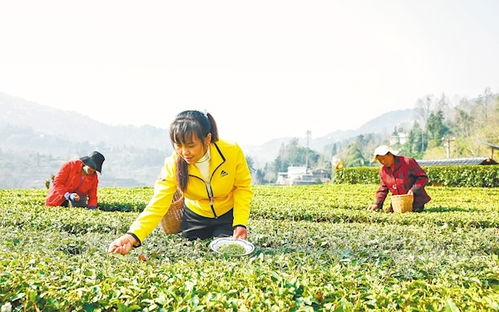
{"x": 72, "y": 196}
{"x": 122, "y": 245}
{"x": 373, "y": 207}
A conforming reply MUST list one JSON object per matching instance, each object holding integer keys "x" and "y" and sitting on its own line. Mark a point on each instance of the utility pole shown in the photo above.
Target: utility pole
{"x": 422, "y": 141}
{"x": 309, "y": 134}
{"x": 447, "y": 141}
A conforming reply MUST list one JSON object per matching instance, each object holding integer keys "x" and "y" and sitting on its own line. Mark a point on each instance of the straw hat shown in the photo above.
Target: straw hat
{"x": 383, "y": 150}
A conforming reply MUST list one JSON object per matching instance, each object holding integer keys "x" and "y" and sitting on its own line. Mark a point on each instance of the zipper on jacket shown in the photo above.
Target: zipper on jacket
{"x": 209, "y": 190}
{"x": 210, "y": 194}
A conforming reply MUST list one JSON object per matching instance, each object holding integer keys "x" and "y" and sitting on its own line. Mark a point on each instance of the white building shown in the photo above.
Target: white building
{"x": 399, "y": 138}
{"x": 297, "y": 175}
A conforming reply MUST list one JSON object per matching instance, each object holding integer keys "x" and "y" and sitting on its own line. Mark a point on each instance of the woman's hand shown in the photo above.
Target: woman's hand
{"x": 373, "y": 207}
{"x": 122, "y": 245}
{"x": 240, "y": 232}
{"x": 72, "y": 196}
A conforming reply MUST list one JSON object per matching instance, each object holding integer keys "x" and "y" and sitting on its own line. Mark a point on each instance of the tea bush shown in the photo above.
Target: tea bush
{"x": 463, "y": 176}
{"x": 317, "y": 249}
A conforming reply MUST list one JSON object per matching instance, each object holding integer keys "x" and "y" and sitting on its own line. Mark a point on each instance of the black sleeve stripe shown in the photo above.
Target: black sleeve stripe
{"x": 135, "y": 236}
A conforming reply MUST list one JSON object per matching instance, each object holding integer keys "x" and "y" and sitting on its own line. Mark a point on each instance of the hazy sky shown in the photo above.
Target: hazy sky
{"x": 264, "y": 69}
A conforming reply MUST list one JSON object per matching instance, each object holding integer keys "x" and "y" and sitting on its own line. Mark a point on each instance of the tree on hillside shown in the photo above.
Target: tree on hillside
{"x": 489, "y": 131}
{"x": 475, "y": 121}
{"x": 416, "y": 142}
{"x": 331, "y": 149}
{"x": 269, "y": 173}
{"x": 443, "y": 104}
{"x": 291, "y": 154}
{"x": 436, "y": 127}
{"x": 486, "y": 103}
{"x": 251, "y": 163}
{"x": 463, "y": 125}
{"x": 354, "y": 154}
{"x": 424, "y": 108}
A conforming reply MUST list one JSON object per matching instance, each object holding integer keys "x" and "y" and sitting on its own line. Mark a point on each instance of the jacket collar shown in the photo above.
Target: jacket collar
{"x": 396, "y": 164}
{"x": 217, "y": 158}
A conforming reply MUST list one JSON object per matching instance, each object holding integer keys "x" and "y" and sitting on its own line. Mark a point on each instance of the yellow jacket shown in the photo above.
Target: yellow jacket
{"x": 230, "y": 180}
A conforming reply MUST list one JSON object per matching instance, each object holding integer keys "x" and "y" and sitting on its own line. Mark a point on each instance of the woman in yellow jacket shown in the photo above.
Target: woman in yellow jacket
{"x": 214, "y": 178}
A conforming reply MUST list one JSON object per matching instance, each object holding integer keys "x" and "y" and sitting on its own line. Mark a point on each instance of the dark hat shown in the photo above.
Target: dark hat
{"x": 94, "y": 160}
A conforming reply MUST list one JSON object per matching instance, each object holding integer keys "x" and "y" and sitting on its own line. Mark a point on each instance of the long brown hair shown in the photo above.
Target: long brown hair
{"x": 182, "y": 128}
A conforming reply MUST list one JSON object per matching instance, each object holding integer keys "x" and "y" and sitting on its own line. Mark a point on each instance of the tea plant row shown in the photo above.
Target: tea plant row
{"x": 299, "y": 265}
{"x": 317, "y": 249}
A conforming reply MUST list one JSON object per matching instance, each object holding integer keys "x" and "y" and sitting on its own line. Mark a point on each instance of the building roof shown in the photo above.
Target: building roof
{"x": 490, "y": 145}
{"x": 457, "y": 161}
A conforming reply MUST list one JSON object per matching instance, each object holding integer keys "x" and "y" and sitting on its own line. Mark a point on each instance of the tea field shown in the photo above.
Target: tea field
{"x": 318, "y": 249}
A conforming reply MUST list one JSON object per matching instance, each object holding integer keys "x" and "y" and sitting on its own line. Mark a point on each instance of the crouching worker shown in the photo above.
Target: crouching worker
{"x": 75, "y": 184}
{"x": 215, "y": 181}
{"x": 399, "y": 175}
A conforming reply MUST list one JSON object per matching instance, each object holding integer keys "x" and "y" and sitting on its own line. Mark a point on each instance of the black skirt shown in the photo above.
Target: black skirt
{"x": 195, "y": 226}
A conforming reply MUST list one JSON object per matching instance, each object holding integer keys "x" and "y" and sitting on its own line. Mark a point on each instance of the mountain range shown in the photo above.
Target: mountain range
{"x": 72, "y": 126}
{"x": 383, "y": 124}
{"x": 36, "y": 139}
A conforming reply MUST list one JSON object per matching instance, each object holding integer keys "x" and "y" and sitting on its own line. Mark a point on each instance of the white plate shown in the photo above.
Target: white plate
{"x": 219, "y": 242}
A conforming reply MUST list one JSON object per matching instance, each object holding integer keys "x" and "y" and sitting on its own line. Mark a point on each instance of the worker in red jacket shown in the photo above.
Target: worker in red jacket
{"x": 76, "y": 183}
{"x": 399, "y": 175}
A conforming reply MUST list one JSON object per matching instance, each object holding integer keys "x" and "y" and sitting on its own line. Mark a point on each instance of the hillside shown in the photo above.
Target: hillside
{"x": 383, "y": 124}
{"x": 36, "y": 139}
{"x": 40, "y": 138}
{"x": 72, "y": 126}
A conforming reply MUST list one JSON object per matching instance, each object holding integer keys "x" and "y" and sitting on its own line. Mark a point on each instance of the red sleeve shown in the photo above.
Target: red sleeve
{"x": 420, "y": 177}
{"x": 61, "y": 178}
{"x": 56, "y": 193}
{"x": 382, "y": 191}
{"x": 92, "y": 194}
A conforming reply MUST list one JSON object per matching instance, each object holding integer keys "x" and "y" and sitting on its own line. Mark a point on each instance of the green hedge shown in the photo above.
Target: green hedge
{"x": 356, "y": 175}
{"x": 477, "y": 176}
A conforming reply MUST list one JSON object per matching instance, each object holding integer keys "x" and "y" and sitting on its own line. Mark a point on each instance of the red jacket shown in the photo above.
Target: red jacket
{"x": 406, "y": 175}
{"x": 69, "y": 179}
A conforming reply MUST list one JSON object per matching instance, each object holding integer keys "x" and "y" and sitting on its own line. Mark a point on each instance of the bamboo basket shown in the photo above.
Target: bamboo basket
{"x": 402, "y": 203}
{"x": 171, "y": 221}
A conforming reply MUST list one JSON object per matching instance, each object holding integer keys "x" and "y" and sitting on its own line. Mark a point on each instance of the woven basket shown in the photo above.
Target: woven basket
{"x": 402, "y": 203}
{"x": 173, "y": 218}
